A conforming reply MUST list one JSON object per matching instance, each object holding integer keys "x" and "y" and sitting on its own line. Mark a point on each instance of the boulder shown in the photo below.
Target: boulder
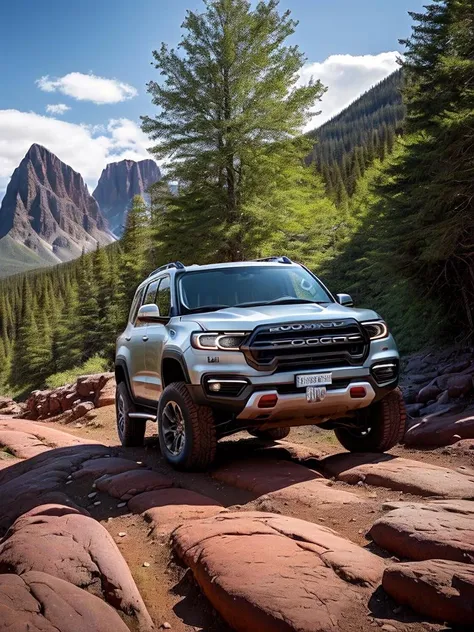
{"x": 264, "y": 572}
{"x": 405, "y": 475}
{"x": 80, "y": 410}
{"x": 92, "y": 384}
{"x": 106, "y": 395}
{"x": 441, "y": 589}
{"x": 165, "y": 509}
{"x": 76, "y": 548}
{"x": 439, "y": 431}
{"x": 132, "y": 482}
{"x": 428, "y": 394}
{"x": 424, "y": 531}
{"x": 460, "y": 385}
{"x": 40, "y": 602}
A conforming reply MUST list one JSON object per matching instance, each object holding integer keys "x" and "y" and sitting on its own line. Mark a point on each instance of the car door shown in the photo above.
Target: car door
{"x": 135, "y": 335}
{"x": 157, "y": 333}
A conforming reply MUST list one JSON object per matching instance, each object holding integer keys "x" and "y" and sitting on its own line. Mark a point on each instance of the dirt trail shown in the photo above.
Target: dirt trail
{"x": 168, "y": 588}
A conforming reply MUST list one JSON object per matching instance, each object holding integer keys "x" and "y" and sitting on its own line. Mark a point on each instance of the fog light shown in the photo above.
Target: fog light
{"x": 267, "y": 401}
{"x": 358, "y": 392}
{"x": 385, "y": 372}
{"x": 215, "y": 387}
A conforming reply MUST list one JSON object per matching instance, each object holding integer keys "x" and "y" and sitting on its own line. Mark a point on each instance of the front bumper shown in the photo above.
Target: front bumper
{"x": 295, "y": 405}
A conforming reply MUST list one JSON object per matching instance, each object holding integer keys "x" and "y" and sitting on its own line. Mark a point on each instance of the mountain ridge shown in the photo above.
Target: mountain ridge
{"x": 48, "y": 209}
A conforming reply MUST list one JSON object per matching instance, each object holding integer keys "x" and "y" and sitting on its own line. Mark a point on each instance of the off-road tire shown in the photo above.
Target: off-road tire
{"x": 386, "y": 420}
{"x": 273, "y": 433}
{"x": 200, "y": 431}
{"x": 132, "y": 431}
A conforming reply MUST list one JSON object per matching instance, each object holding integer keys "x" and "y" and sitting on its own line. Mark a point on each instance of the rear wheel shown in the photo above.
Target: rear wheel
{"x": 382, "y": 426}
{"x": 131, "y": 431}
{"x": 273, "y": 433}
{"x": 186, "y": 431}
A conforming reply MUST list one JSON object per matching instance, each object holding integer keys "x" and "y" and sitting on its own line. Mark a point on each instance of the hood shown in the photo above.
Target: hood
{"x": 247, "y": 318}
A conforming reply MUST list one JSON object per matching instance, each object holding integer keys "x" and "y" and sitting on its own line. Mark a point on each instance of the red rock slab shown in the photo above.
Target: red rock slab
{"x": 132, "y": 482}
{"x": 435, "y": 431}
{"x": 262, "y": 476}
{"x": 385, "y": 470}
{"x": 26, "y": 439}
{"x": 317, "y": 492}
{"x": 462, "y": 507}
{"x": 426, "y": 532}
{"x": 441, "y": 589}
{"x": 76, "y": 548}
{"x": 168, "y": 508}
{"x": 40, "y": 480}
{"x": 39, "y": 602}
{"x": 99, "y": 467}
{"x": 267, "y": 573}
{"x": 283, "y": 481}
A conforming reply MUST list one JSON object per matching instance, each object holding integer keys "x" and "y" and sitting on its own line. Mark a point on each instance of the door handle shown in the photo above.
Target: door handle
{"x": 144, "y": 338}
{"x": 128, "y": 338}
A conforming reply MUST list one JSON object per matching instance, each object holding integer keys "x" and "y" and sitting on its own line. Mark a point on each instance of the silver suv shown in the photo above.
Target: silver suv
{"x": 259, "y": 346}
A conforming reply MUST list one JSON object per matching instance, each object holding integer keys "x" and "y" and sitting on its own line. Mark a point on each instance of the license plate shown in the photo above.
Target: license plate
{"x": 315, "y": 379}
{"x": 315, "y": 393}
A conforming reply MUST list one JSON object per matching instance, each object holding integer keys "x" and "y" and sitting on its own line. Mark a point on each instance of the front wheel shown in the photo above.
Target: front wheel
{"x": 186, "y": 431}
{"x": 382, "y": 426}
{"x": 131, "y": 431}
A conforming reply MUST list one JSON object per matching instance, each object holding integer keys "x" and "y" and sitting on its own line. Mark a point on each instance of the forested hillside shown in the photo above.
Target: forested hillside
{"x": 384, "y": 210}
{"x": 349, "y": 143}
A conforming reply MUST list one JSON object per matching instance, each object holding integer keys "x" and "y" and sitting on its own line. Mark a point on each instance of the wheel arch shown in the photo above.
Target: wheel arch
{"x": 173, "y": 369}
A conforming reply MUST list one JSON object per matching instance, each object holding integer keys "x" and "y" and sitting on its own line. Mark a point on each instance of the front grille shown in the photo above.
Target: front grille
{"x": 296, "y": 346}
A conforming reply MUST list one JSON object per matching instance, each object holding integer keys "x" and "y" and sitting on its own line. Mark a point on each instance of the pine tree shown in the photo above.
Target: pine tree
{"x": 134, "y": 248}
{"x": 229, "y": 107}
{"x": 88, "y": 312}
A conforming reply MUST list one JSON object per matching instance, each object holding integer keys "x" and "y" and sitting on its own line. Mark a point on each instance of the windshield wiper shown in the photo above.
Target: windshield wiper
{"x": 206, "y": 308}
{"x": 280, "y": 301}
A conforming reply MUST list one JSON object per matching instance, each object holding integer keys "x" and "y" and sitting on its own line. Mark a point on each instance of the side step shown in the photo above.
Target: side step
{"x": 145, "y": 416}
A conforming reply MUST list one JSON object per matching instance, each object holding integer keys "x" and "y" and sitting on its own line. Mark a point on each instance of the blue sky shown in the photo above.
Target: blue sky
{"x": 49, "y": 49}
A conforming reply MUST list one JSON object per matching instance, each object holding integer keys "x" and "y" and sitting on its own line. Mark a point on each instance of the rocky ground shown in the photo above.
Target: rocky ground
{"x": 293, "y": 535}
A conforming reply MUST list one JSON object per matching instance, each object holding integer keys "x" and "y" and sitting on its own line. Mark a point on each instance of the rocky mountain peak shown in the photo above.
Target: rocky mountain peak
{"x": 48, "y": 208}
{"x": 117, "y": 185}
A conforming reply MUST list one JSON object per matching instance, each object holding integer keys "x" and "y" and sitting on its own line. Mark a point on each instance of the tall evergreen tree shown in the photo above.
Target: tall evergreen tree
{"x": 229, "y": 106}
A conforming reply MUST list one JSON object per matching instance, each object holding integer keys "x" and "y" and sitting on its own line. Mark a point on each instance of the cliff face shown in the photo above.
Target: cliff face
{"x": 117, "y": 185}
{"x": 48, "y": 209}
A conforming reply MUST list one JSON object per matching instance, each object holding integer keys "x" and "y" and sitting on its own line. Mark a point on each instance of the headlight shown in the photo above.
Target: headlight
{"x": 215, "y": 341}
{"x": 376, "y": 329}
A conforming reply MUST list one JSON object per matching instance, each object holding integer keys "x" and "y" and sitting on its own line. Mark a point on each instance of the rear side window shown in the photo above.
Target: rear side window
{"x": 163, "y": 299}
{"x": 137, "y": 301}
{"x": 150, "y": 296}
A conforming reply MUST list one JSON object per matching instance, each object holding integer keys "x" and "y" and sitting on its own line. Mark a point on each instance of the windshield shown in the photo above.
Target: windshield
{"x": 247, "y": 286}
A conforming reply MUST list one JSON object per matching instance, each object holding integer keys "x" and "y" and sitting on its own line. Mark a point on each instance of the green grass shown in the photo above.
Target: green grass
{"x": 96, "y": 364}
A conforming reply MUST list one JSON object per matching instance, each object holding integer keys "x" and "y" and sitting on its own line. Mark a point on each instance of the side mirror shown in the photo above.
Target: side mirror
{"x": 148, "y": 313}
{"x": 345, "y": 299}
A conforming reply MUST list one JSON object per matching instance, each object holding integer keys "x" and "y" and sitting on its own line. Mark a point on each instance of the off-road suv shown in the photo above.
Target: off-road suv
{"x": 259, "y": 346}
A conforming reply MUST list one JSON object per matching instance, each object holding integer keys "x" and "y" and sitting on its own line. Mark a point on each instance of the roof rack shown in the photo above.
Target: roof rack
{"x": 174, "y": 264}
{"x": 282, "y": 259}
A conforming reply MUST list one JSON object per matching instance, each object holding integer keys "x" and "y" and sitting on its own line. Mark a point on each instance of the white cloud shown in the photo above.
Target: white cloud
{"x": 85, "y": 148}
{"x": 89, "y": 87}
{"x": 57, "y": 108}
{"x": 346, "y": 77}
